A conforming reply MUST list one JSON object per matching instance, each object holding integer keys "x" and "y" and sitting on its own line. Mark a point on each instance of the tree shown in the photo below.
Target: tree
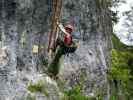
{"x": 128, "y": 23}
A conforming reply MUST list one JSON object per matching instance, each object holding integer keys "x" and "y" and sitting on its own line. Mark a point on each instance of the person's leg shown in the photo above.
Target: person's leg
{"x": 54, "y": 66}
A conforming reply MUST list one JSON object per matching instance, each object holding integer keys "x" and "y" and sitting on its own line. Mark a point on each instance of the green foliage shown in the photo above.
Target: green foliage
{"x": 118, "y": 45}
{"x": 75, "y": 94}
{"x": 122, "y": 67}
{"x": 113, "y": 98}
{"x": 121, "y": 70}
{"x": 38, "y": 87}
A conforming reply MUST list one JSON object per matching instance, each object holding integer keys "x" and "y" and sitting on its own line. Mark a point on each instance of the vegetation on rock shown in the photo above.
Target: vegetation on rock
{"x": 75, "y": 94}
{"x": 122, "y": 68}
{"x": 38, "y": 87}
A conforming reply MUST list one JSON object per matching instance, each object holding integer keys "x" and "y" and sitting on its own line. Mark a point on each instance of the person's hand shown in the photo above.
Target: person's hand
{"x": 57, "y": 23}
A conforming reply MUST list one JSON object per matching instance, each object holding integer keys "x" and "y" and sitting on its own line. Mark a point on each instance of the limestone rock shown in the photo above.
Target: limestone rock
{"x": 4, "y": 59}
{"x": 25, "y": 23}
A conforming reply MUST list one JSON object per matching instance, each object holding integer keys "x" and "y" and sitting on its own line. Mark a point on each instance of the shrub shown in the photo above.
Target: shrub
{"x": 74, "y": 94}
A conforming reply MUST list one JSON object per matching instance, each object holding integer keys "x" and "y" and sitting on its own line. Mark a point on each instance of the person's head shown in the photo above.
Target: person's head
{"x": 69, "y": 28}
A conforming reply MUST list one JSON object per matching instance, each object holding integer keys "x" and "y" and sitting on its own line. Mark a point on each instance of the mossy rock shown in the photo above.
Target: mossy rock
{"x": 74, "y": 94}
{"x": 38, "y": 87}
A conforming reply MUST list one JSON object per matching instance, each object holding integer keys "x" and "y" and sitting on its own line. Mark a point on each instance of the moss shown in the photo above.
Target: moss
{"x": 38, "y": 87}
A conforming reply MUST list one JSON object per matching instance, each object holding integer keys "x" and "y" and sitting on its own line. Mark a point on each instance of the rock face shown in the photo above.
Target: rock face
{"x": 92, "y": 57}
{"x": 26, "y": 23}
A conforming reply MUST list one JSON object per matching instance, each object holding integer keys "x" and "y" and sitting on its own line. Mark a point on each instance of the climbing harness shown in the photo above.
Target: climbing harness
{"x": 57, "y": 5}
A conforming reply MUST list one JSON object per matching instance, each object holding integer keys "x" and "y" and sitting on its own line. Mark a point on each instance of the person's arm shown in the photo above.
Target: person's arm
{"x": 62, "y": 28}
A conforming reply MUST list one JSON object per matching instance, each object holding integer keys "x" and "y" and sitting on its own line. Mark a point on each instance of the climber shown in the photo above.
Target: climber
{"x": 66, "y": 46}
